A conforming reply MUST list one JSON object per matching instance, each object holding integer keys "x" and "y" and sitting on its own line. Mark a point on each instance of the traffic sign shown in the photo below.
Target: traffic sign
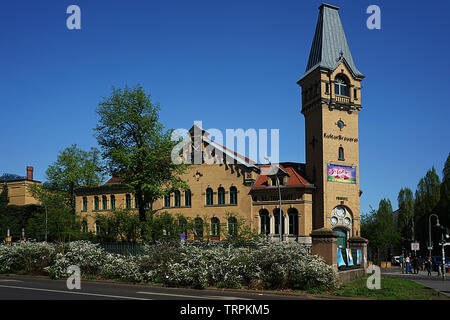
{"x": 415, "y": 246}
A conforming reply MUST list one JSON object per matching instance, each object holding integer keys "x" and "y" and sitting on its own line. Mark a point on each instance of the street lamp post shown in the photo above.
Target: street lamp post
{"x": 429, "y": 231}
{"x": 279, "y": 195}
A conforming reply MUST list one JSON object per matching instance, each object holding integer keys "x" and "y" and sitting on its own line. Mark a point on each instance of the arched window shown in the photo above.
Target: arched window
{"x": 187, "y": 198}
{"x": 85, "y": 202}
{"x": 177, "y": 198}
{"x": 232, "y": 226}
{"x": 221, "y": 196}
{"x": 104, "y": 203}
{"x": 182, "y": 223}
{"x": 215, "y": 227}
{"x": 341, "y": 153}
{"x": 233, "y": 195}
{"x": 167, "y": 200}
{"x": 276, "y": 215}
{"x": 198, "y": 228}
{"x": 95, "y": 203}
{"x": 341, "y": 86}
{"x": 128, "y": 201}
{"x": 113, "y": 202}
{"x": 293, "y": 221}
{"x": 265, "y": 221}
{"x": 84, "y": 226}
{"x": 209, "y": 197}
{"x": 97, "y": 228}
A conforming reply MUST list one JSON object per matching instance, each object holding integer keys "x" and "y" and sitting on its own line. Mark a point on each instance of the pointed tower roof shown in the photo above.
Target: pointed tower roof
{"x": 330, "y": 45}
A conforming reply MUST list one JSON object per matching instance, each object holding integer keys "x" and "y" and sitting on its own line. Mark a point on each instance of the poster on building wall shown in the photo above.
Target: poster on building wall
{"x": 338, "y": 173}
{"x": 349, "y": 257}
{"x": 358, "y": 259}
{"x": 340, "y": 258}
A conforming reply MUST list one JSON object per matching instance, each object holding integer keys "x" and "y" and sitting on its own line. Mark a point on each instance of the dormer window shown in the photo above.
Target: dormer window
{"x": 341, "y": 86}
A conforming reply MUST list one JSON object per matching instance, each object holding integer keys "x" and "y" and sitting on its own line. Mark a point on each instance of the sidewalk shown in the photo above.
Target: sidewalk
{"x": 434, "y": 281}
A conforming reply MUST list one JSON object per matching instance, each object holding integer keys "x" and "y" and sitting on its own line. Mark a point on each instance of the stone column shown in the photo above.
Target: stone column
{"x": 324, "y": 244}
{"x": 359, "y": 243}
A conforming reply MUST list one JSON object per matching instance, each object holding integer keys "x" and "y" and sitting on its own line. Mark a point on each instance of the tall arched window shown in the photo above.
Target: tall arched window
{"x": 233, "y": 195}
{"x": 85, "y": 201}
{"x": 221, "y": 196}
{"x": 215, "y": 227}
{"x": 232, "y": 226}
{"x": 84, "y": 226}
{"x": 198, "y": 228}
{"x": 265, "y": 221}
{"x": 209, "y": 197}
{"x": 177, "y": 198}
{"x": 276, "y": 215}
{"x": 104, "y": 203}
{"x": 128, "y": 201}
{"x": 97, "y": 227}
{"x": 341, "y": 153}
{"x": 95, "y": 203}
{"x": 113, "y": 202}
{"x": 341, "y": 86}
{"x": 293, "y": 221}
{"x": 187, "y": 198}
{"x": 182, "y": 223}
{"x": 167, "y": 200}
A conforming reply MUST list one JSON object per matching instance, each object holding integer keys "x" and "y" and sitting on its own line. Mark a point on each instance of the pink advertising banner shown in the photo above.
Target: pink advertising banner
{"x": 338, "y": 173}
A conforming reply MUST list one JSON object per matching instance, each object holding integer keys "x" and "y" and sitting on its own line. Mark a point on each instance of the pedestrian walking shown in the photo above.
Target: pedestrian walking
{"x": 408, "y": 264}
{"x": 415, "y": 265}
{"x": 428, "y": 265}
{"x": 402, "y": 263}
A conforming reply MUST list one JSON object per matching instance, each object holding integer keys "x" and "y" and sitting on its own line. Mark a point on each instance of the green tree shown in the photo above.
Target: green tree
{"x": 72, "y": 168}
{"x": 4, "y": 198}
{"x": 379, "y": 228}
{"x": 443, "y": 208}
{"x": 136, "y": 147}
{"x": 427, "y": 197}
{"x": 62, "y": 224}
{"x": 406, "y": 213}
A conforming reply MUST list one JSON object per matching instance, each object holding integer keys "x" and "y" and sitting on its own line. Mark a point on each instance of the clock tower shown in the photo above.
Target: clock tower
{"x": 331, "y": 102}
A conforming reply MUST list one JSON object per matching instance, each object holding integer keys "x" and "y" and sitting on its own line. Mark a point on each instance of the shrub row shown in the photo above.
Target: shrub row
{"x": 267, "y": 265}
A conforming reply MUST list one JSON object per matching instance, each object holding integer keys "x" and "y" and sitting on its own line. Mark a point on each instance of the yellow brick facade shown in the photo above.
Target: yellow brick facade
{"x": 322, "y": 110}
{"x": 18, "y": 192}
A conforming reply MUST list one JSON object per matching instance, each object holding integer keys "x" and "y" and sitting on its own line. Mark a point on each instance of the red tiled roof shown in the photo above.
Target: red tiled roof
{"x": 113, "y": 180}
{"x": 296, "y": 180}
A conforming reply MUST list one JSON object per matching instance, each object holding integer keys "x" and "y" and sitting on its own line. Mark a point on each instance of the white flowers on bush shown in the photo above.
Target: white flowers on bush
{"x": 275, "y": 265}
{"x": 29, "y": 257}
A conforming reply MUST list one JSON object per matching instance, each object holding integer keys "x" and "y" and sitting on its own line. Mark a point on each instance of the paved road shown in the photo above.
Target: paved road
{"x": 434, "y": 281}
{"x": 28, "y": 288}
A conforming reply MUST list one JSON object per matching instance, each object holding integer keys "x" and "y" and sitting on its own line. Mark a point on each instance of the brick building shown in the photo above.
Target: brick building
{"x": 322, "y": 194}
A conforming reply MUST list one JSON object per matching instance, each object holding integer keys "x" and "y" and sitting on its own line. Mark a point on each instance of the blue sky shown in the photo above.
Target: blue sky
{"x": 231, "y": 64}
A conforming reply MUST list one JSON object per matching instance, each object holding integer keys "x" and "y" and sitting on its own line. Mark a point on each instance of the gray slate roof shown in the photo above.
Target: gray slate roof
{"x": 330, "y": 44}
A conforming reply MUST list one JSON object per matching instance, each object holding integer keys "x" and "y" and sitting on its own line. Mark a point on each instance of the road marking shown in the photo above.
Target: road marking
{"x": 9, "y": 280}
{"x": 196, "y": 297}
{"x": 73, "y": 292}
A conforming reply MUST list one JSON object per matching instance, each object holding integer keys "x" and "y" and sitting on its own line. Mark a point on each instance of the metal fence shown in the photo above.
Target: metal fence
{"x": 123, "y": 248}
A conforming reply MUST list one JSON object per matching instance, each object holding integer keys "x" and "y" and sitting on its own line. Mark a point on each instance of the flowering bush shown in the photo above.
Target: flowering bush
{"x": 88, "y": 256}
{"x": 273, "y": 265}
{"x": 29, "y": 257}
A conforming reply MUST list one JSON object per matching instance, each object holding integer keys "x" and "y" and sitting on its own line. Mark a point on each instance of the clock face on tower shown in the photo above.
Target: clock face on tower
{"x": 339, "y": 212}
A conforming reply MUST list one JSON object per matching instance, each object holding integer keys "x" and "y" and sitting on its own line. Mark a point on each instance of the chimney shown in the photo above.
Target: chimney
{"x": 29, "y": 173}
